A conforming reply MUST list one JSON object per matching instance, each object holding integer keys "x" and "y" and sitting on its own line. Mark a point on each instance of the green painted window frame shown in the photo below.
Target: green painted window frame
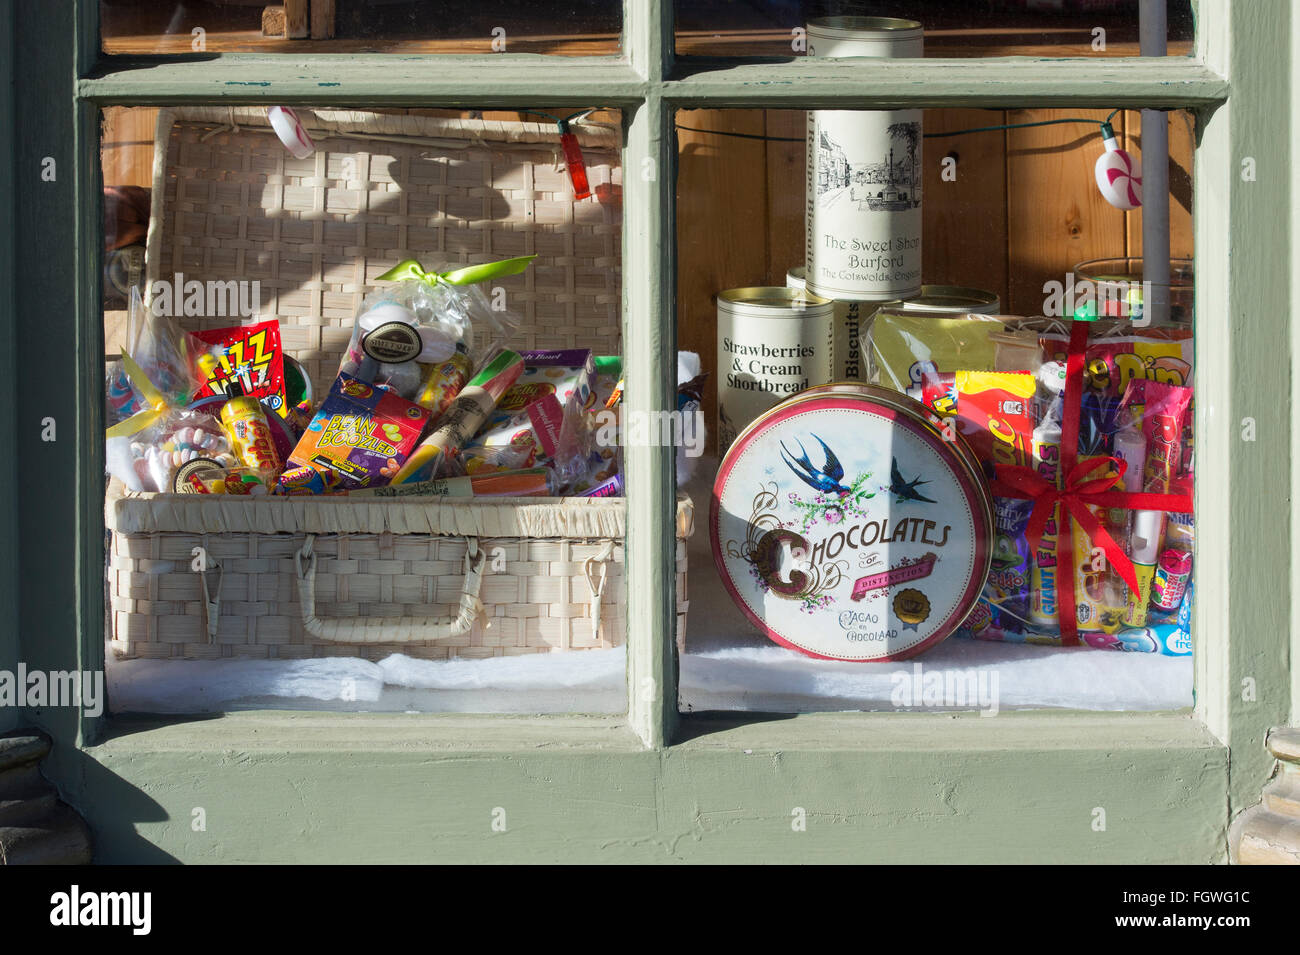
{"x": 1210, "y": 761}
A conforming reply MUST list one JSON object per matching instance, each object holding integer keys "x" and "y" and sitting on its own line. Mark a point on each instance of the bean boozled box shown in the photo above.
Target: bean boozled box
{"x": 360, "y": 436}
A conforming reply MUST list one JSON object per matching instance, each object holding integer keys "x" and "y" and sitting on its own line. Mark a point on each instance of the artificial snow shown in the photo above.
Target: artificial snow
{"x": 204, "y": 686}
{"x": 991, "y": 676}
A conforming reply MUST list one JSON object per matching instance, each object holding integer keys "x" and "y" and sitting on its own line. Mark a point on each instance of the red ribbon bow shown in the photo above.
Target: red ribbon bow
{"x": 1078, "y": 495}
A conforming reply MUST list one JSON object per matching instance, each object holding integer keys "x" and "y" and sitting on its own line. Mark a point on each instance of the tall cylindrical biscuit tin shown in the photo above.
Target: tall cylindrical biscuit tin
{"x": 864, "y": 176}
{"x": 772, "y": 344}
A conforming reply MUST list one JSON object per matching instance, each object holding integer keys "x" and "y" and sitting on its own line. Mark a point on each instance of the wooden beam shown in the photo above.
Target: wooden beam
{"x": 297, "y": 14}
{"x": 322, "y": 19}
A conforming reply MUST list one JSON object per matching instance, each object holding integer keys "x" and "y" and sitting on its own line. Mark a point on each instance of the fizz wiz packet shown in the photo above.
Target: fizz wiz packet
{"x": 995, "y": 416}
{"x": 249, "y": 356}
{"x": 360, "y": 437}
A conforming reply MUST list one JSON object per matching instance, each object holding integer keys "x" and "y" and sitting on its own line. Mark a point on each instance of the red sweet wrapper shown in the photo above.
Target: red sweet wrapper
{"x": 995, "y": 415}
{"x": 1164, "y": 416}
{"x": 250, "y": 355}
{"x": 937, "y": 391}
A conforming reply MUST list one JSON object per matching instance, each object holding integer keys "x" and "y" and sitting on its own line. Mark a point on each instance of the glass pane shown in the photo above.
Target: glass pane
{"x": 952, "y": 28}
{"x": 250, "y": 284}
{"x": 568, "y": 28}
{"x": 940, "y": 256}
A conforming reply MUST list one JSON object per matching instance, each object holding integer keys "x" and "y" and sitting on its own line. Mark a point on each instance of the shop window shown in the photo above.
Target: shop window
{"x": 956, "y": 253}
{"x": 243, "y": 270}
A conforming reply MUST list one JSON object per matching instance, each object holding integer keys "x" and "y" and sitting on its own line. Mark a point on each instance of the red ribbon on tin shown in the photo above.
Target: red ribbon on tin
{"x": 1078, "y": 493}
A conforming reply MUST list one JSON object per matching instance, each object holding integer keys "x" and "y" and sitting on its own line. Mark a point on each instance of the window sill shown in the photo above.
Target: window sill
{"x": 297, "y": 731}
{"x": 1010, "y": 731}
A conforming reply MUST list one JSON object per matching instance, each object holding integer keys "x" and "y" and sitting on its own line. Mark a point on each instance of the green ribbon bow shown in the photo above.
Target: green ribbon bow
{"x": 411, "y": 269}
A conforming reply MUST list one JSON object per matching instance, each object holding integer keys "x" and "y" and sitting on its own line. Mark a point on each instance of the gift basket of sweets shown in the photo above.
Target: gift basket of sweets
{"x": 1084, "y": 432}
{"x": 384, "y": 460}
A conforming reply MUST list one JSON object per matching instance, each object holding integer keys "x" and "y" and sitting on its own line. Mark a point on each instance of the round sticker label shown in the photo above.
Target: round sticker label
{"x": 392, "y": 342}
{"x": 848, "y": 530}
{"x": 191, "y": 472}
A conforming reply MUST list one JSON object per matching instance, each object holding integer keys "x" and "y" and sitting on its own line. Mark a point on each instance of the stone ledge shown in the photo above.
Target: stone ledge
{"x": 1284, "y": 743}
{"x": 1260, "y": 837}
{"x": 61, "y": 838}
{"x": 35, "y": 827}
{"x": 22, "y": 748}
{"x": 1269, "y": 834}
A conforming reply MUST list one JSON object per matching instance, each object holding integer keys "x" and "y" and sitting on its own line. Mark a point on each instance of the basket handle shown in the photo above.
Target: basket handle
{"x": 388, "y": 629}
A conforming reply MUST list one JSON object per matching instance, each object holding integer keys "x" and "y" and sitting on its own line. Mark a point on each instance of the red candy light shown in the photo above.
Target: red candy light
{"x": 573, "y": 162}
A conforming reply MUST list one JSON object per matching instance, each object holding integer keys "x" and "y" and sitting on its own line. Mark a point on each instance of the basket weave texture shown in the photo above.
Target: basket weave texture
{"x": 543, "y": 559}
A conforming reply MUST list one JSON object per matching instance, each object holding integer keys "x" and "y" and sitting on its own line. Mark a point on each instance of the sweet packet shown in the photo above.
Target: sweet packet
{"x": 360, "y": 437}
{"x": 541, "y": 420}
{"x": 248, "y": 357}
{"x": 994, "y": 413}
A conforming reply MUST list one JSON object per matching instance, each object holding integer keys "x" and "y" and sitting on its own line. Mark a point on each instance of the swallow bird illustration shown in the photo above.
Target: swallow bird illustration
{"x": 906, "y": 490}
{"x": 827, "y": 480}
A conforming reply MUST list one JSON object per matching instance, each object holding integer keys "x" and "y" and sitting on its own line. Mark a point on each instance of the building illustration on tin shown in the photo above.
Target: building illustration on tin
{"x": 890, "y": 183}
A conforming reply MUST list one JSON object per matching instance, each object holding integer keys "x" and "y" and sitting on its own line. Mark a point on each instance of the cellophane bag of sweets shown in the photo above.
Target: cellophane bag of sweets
{"x": 541, "y": 420}
{"x": 166, "y": 360}
{"x": 423, "y": 336}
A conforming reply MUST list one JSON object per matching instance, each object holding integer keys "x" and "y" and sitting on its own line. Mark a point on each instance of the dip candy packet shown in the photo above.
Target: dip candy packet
{"x": 1119, "y": 353}
{"x": 360, "y": 437}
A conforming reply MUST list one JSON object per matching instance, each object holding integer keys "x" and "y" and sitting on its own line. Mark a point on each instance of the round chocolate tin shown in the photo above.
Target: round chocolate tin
{"x": 847, "y": 526}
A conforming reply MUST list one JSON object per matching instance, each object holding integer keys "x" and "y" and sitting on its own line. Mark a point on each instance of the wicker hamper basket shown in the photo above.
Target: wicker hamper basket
{"x": 205, "y": 577}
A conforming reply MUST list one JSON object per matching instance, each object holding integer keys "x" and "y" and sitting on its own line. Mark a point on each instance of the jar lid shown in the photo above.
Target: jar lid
{"x": 848, "y": 526}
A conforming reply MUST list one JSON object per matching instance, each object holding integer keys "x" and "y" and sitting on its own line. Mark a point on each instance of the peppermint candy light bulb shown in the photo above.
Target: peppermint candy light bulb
{"x": 1119, "y": 175}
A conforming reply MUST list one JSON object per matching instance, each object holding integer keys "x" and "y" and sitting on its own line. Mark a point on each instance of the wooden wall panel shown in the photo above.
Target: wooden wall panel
{"x": 1056, "y": 216}
{"x": 787, "y": 208}
{"x": 964, "y": 229}
{"x": 126, "y": 148}
{"x": 722, "y": 224}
